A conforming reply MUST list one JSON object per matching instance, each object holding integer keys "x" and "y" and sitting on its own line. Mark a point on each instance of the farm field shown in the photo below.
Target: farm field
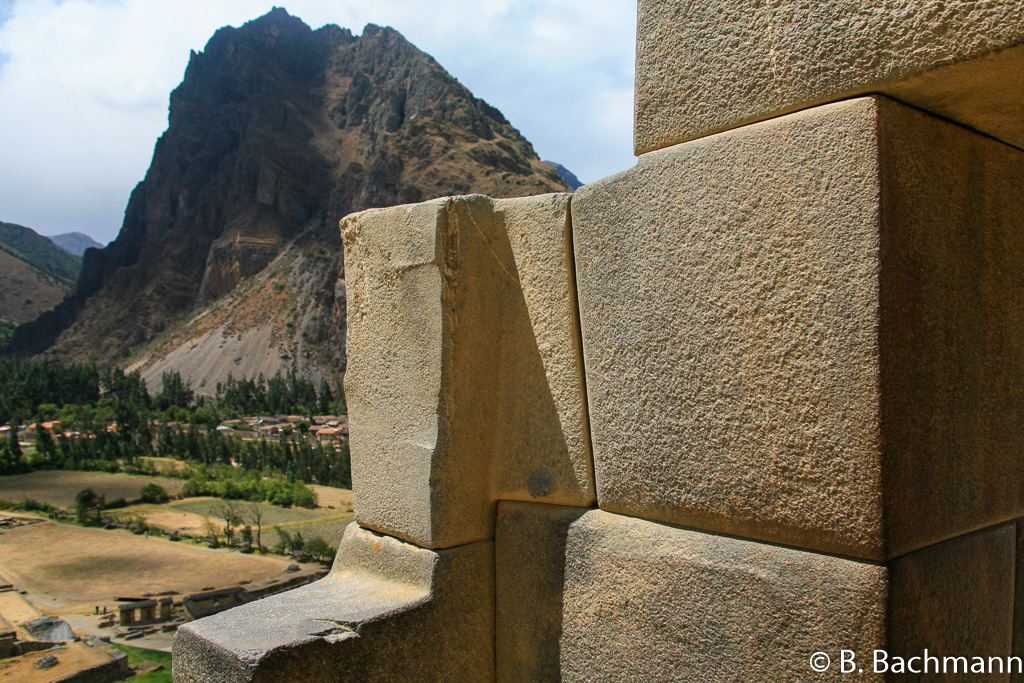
{"x": 330, "y": 529}
{"x": 163, "y": 516}
{"x": 326, "y": 523}
{"x": 329, "y": 497}
{"x": 78, "y": 567}
{"x": 272, "y": 514}
{"x": 60, "y": 487}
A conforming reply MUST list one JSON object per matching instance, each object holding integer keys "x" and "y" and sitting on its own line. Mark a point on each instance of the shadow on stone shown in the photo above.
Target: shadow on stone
{"x": 529, "y": 556}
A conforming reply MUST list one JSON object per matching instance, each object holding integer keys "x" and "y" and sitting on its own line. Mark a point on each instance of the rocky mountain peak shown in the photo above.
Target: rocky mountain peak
{"x": 277, "y": 129}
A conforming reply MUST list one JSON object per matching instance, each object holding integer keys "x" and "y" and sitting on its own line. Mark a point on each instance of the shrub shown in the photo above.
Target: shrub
{"x": 153, "y": 493}
{"x": 319, "y": 549}
{"x": 33, "y": 505}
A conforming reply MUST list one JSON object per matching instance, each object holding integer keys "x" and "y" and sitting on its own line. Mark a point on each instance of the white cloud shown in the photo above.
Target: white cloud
{"x": 85, "y": 85}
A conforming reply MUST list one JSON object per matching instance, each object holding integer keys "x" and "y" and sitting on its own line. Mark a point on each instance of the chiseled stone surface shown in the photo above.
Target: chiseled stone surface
{"x": 529, "y": 561}
{"x": 729, "y": 304}
{"x": 1018, "y": 602}
{"x": 808, "y": 328}
{"x": 955, "y": 599}
{"x": 585, "y": 595}
{"x": 464, "y": 380}
{"x": 387, "y": 611}
{"x": 952, "y": 329}
{"x": 705, "y": 67}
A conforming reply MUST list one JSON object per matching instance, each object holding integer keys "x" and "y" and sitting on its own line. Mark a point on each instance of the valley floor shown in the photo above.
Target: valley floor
{"x": 72, "y": 571}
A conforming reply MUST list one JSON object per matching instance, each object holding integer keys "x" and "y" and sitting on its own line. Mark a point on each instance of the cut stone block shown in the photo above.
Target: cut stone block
{"x": 387, "y": 611}
{"x": 464, "y": 381}
{"x": 810, "y": 331}
{"x": 585, "y": 595}
{"x": 955, "y": 599}
{"x": 706, "y": 67}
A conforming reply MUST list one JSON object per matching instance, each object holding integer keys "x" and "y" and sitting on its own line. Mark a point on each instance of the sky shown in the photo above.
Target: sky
{"x": 84, "y": 85}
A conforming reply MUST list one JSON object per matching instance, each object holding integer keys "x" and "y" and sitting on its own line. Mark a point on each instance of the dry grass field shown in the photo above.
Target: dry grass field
{"x": 60, "y": 488}
{"x": 164, "y": 517}
{"x": 327, "y": 497}
{"x": 81, "y": 567}
{"x": 272, "y": 514}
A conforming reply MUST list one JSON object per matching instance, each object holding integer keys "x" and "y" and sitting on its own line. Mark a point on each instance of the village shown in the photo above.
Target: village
{"x": 322, "y": 428}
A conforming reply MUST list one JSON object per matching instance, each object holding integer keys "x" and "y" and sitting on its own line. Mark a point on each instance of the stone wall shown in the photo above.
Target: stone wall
{"x": 751, "y": 407}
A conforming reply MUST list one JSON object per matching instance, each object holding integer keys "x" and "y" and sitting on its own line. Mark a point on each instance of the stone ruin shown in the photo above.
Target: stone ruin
{"x": 742, "y": 409}
{"x": 147, "y": 611}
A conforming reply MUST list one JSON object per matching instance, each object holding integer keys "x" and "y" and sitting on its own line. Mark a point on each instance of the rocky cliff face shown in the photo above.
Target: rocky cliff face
{"x": 278, "y": 130}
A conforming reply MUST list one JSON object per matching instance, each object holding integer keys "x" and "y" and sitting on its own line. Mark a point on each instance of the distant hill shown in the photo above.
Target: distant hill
{"x": 74, "y": 242}
{"x": 35, "y": 275}
{"x": 566, "y": 175}
{"x": 39, "y": 252}
{"x": 26, "y": 291}
{"x": 229, "y": 258}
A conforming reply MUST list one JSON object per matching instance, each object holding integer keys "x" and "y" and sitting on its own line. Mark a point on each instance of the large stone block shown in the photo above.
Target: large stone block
{"x": 387, "y": 611}
{"x": 955, "y": 599}
{"x": 464, "y": 380}
{"x": 585, "y": 595}
{"x": 704, "y": 67}
{"x": 810, "y": 331}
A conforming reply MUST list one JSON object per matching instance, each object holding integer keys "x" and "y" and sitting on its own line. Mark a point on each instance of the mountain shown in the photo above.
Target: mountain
{"x": 35, "y": 275}
{"x": 275, "y": 133}
{"x": 26, "y": 291}
{"x": 39, "y": 252}
{"x": 74, "y": 242}
{"x": 567, "y": 176}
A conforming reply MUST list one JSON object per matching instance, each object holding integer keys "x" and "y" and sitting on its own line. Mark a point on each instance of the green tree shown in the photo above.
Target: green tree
{"x": 87, "y": 501}
{"x": 284, "y": 541}
{"x": 227, "y": 511}
{"x": 254, "y": 513}
{"x": 175, "y": 391}
{"x": 46, "y": 412}
{"x": 212, "y": 532}
{"x": 153, "y": 493}
{"x": 44, "y": 444}
{"x": 318, "y": 548}
{"x": 13, "y": 443}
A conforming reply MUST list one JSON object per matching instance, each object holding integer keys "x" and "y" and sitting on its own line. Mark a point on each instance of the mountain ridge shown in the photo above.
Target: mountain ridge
{"x": 277, "y": 131}
{"x": 40, "y": 251}
{"x": 75, "y": 243}
{"x": 35, "y": 276}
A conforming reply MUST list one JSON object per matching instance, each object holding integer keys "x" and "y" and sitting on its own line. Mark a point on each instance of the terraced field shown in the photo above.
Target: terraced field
{"x": 188, "y": 516}
{"x": 272, "y": 514}
{"x": 330, "y": 529}
{"x": 60, "y": 488}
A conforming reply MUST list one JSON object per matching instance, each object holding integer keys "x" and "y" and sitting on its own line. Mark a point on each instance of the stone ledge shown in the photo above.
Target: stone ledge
{"x": 387, "y": 611}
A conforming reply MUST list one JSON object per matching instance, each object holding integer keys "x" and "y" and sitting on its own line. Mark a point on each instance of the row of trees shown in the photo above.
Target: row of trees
{"x": 26, "y": 385}
{"x": 243, "y": 522}
{"x": 279, "y": 394}
{"x": 233, "y": 483}
{"x": 295, "y": 460}
{"x": 83, "y": 395}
